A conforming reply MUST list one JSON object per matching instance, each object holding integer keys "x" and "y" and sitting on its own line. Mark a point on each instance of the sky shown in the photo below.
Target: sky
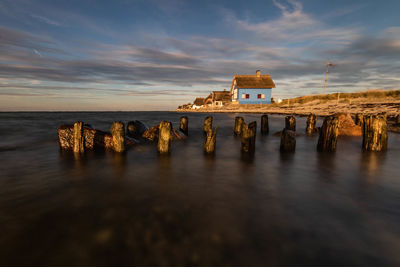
{"x": 84, "y": 55}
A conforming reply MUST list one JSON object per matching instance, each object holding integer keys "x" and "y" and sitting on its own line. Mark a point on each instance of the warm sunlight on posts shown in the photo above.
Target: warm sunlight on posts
{"x": 264, "y": 124}
{"x": 248, "y": 138}
{"x": 209, "y": 145}
{"x": 328, "y": 135}
{"x": 238, "y": 125}
{"x": 290, "y": 123}
{"x": 359, "y": 119}
{"x": 184, "y": 125}
{"x": 311, "y": 122}
{"x": 164, "y": 137}
{"x": 79, "y": 140}
{"x": 288, "y": 141}
{"x": 118, "y": 136}
{"x": 207, "y": 124}
{"x": 375, "y": 137}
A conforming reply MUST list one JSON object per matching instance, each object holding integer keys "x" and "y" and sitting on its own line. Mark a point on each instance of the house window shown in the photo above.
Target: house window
{"x": 259, "y": 96}
{"x": 243, "y": 96}
{"x": 247, "y": 96}
{"x": 262, "y": 96}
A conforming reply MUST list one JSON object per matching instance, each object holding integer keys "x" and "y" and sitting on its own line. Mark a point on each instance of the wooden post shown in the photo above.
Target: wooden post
{"x": 209, "y": 145}
{"x": 248, "y": 139}
{"x": 253, "y": 126}
{"x": 290, "y": 123}
{"x": 359, "y": 119}
{"x": 264, "y": 124}
{"x": 397, "y": 119}
{"x": 184, "y": 125}
{"x": 238, "y": 125}
{"x": 164, "y": 137}
{"x": 79, "y": 139}
{"x": 207, "y": 124}
{"x": 288, "y": 141}
{"x": 118, "y": 136}
{"x": 328, "y": 135}
{"x": 311, "y": 121}
{"x": 375, "y": 136}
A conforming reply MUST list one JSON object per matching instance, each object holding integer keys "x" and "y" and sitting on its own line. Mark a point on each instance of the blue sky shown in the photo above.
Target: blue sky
{"x": 158, "y": 54}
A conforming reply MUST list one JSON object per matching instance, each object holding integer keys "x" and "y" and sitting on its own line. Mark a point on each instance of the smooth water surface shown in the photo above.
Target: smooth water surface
{"x": 189, "y": 209}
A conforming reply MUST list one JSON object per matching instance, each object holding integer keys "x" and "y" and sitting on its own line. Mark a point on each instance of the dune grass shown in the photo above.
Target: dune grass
{"x": 369, "y": 94}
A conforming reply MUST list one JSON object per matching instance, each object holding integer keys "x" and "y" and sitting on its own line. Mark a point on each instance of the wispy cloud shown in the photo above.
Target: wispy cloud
{"x": 45, "y": 20}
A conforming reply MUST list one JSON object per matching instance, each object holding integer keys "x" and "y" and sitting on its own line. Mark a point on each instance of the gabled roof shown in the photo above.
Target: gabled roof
{"x": 199, "y": 101}
{"x": 252, "y": 81}
{"x": 222, "y": 95}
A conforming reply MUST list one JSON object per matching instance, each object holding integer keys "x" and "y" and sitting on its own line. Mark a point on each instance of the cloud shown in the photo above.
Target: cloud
{"x": 296, "y": 26}
{"x": 45, "y": 20}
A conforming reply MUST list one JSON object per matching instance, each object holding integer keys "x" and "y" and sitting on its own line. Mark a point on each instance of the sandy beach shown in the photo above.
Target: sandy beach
{"x": 368, "y": 105}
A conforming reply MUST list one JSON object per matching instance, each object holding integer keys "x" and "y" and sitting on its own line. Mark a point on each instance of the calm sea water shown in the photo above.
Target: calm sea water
{"x": 188, "y": 209}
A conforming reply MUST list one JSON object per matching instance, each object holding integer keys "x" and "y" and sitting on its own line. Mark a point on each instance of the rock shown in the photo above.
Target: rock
{"x": 347, "y": 127}
{"x": 135, "y": 129}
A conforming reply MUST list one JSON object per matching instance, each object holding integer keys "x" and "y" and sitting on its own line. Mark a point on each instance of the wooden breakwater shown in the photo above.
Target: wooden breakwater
{"x": 373, "y": 128}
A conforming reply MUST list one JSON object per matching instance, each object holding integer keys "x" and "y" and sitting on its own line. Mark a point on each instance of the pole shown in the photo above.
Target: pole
{"x": 326, "y": 76}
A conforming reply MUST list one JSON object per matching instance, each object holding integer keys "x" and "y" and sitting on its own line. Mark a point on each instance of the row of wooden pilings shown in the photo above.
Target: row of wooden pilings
{"x": 374, "y": 133}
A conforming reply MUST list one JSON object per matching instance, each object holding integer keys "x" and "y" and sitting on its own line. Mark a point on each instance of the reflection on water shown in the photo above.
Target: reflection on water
{"x": 189, "y": 208}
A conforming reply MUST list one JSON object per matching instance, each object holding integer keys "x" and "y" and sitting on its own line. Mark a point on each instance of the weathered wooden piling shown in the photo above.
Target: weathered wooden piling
{"x": 207, "y": 124}
{"x": 290, "y": 123}
{"x": 311, "y": 121}
{"x": 184, "y": 125}
{"x": 118, "y": 136}
{"x": 397, "y": 119}
{"x": 209, "y": 145}
{"x": 288, "y": 141}
{"x": 253, "y": 126}
{"x": 375, "y": 136}
{"x": 359, "y": 119}
{"x": 248, "y": 138}
{"x": 164, "y": 137}
{"x": 238, "y": 125}
{"x": 79, "y": 140}
{"x": 328, "y": 135}
{"x": 264, "y": 124}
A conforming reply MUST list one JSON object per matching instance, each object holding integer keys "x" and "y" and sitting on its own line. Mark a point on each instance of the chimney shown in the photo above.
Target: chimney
{"x": 258, "y": 73}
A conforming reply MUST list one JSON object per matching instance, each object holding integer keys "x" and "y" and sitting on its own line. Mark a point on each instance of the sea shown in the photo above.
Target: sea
{"x": 191, "y": 209}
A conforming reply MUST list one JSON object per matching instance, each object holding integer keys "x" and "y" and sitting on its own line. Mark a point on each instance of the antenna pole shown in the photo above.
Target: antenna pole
{"x": 326, "y": 76}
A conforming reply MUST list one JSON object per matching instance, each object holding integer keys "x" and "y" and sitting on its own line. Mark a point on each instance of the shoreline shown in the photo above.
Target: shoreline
{"x": 321, "y": 109}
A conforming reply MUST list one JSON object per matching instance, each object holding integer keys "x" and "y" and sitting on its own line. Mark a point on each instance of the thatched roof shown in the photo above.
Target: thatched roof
{"x": 253, "y": 81}
{"x": 199, "y": 101}
{"x": 223, "y": 96}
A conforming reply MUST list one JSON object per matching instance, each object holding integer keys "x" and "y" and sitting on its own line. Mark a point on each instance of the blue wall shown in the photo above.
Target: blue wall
{"x": 253, "y": 96}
